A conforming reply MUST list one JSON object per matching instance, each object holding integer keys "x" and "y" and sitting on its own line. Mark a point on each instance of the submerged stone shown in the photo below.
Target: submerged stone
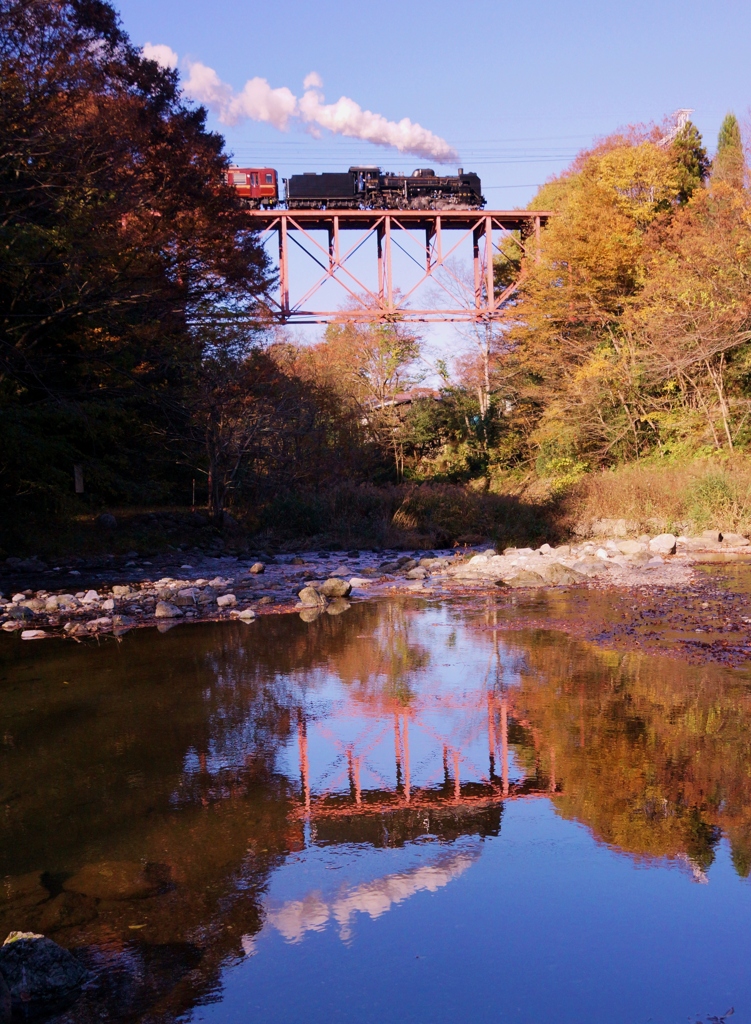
{"x": 119, "y": 880}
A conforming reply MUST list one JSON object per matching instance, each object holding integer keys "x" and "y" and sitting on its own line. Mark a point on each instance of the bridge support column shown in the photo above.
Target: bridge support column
{"x": 489, "y": 279}
{"x": 389, "y": 287}
{"x": 283, "y": 269}
{"x": 379, "y": 243}
{"x": 476, "y": 234}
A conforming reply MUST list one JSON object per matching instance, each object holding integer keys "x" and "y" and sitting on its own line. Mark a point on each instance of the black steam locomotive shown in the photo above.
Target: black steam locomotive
{"x": 372, "y": 189}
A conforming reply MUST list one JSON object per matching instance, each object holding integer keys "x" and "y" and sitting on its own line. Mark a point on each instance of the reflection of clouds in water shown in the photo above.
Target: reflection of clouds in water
{"x": 311, "y": 914}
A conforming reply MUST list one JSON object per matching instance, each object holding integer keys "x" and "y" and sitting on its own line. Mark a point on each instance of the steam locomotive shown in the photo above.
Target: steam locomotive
{"x": 366, "y": 188}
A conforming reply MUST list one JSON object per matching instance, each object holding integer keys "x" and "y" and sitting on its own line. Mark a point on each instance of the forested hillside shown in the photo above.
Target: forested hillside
{"x": 138, "y": 365}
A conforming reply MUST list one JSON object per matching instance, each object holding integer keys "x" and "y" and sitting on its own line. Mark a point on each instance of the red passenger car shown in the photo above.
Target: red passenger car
{"x": 256, "y": 186}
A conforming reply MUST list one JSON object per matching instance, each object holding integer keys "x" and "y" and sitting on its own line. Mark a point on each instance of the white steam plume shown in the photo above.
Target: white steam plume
{"x": 162, "y": 54}
{"x": 279, "y": 107}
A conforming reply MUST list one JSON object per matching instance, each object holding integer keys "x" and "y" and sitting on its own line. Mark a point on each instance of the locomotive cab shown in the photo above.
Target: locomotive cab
{"x": 256, "y": 186}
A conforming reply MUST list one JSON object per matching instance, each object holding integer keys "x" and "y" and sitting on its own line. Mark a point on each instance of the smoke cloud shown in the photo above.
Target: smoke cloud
{"x": 258, "y": 101}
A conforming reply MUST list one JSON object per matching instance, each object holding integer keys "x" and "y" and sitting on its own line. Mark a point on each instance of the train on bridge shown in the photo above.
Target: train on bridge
{"x": 359, "y": 188}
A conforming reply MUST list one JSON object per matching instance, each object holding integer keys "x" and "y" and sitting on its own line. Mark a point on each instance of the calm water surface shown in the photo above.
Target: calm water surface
{"x": 402, "y": 813}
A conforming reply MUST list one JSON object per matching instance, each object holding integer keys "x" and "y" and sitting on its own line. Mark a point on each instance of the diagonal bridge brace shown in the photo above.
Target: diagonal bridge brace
{"x": 387, "y": 302}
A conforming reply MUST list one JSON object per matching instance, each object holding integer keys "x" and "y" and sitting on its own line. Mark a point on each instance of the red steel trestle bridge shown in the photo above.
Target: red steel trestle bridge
{"x": 329, "y": 240}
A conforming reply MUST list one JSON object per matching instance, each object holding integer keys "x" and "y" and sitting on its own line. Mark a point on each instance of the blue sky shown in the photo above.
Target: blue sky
{"x": 516, "y": 88}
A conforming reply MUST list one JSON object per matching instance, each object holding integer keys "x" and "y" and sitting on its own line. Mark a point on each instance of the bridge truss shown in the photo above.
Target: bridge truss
{"x": 338, "y": 244}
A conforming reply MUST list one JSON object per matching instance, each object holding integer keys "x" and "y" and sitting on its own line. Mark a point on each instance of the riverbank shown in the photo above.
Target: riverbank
{"x": 662, "y": 594}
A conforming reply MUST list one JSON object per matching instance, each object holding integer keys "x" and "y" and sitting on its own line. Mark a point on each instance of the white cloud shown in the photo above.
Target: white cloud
{"x": 164, "y": 55}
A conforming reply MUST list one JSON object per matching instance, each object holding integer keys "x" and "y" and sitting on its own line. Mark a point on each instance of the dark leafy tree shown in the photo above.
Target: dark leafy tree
{"x": 118, "y": 233}
{"x": 729, "y": 163}
{"x": 692, "y": 160}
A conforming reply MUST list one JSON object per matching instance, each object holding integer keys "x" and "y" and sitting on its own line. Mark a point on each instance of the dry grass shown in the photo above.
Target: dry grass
{"x": 404, "y": 516}
{"x": 654, "y": 497}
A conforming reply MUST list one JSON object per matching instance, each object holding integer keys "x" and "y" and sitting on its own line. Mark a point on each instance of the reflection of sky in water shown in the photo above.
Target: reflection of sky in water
{"x": 540, "y": 923}
{"x": 610, "y": 884}
{"x": 338, "y": 902}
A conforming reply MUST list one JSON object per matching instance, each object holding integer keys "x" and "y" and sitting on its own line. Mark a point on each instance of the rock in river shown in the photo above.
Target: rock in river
{"x": 119, "y": 880}
{"x": 165, "y": 610}
{"x": 335, "y": 587}
{"x": 40, "y": 975}
{"x": 524, "y": 578}
{"x": 664, "y": 544}
{"x": 309, "y": 596}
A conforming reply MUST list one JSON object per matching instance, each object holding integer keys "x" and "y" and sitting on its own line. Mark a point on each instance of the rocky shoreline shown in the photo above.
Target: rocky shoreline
{"x": 117, "y": 598}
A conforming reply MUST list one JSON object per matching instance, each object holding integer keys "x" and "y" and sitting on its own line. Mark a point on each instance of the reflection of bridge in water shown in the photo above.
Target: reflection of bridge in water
{"x": 352, "y": 784}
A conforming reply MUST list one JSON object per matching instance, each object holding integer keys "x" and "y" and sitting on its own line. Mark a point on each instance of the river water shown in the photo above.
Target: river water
{"x": 402, "y": 813}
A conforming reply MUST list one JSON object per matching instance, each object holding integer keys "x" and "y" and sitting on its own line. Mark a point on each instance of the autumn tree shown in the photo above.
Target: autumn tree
{"x": 118, "y": 232}
{"x": 368, "y": 364}
{"x": 729, "y": 163}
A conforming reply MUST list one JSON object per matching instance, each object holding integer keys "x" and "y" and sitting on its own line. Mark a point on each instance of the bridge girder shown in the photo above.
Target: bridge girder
{"x": 386, "y": 303}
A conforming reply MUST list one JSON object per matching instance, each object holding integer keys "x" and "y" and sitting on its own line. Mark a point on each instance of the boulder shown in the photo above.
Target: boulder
{"x": 524, "y": 578}
{"x": 67, "y": 910}
{"x": 21, "y": 613}
{"x": 358, "y": 581}
{"x": 310, "y": 597}
{"x": 246, "y": 614}
{"x": 335, "y": 587}
{"x": 121, "y": 591}
{"x": 33, "y": 634}
{"x": 107, "y": 521}
{"x": 226, "y": 600}
{"x": 418, "y": 573}
{"x": 713, "y": 535}
{"x": 663, "y": 544}
{"x": 119, "y": 880}
{"x": 558, "y": 575}
{"x": 389, "y": 567}
{"x": 631, "y": 547}
{"x": 123, "y": 621}
{"x": 734, "y": 540}
{"x": 258, "y": 567}
{"x": 23, "y": 890}
{"x": 591, "y": 566}
{"x": 41, "y": 976}
{"x": 165, "y": 610}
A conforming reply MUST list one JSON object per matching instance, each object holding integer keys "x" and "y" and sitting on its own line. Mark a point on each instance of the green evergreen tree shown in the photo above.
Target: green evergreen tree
{"x": 729, "y": 163}
{"x": 691, "y": 157}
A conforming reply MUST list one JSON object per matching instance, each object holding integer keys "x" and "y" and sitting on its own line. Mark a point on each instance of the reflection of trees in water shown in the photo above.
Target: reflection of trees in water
{"x": 382, "y": 669}
{"x": 165, "y": 749}
{"x": 649, "y": 753}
